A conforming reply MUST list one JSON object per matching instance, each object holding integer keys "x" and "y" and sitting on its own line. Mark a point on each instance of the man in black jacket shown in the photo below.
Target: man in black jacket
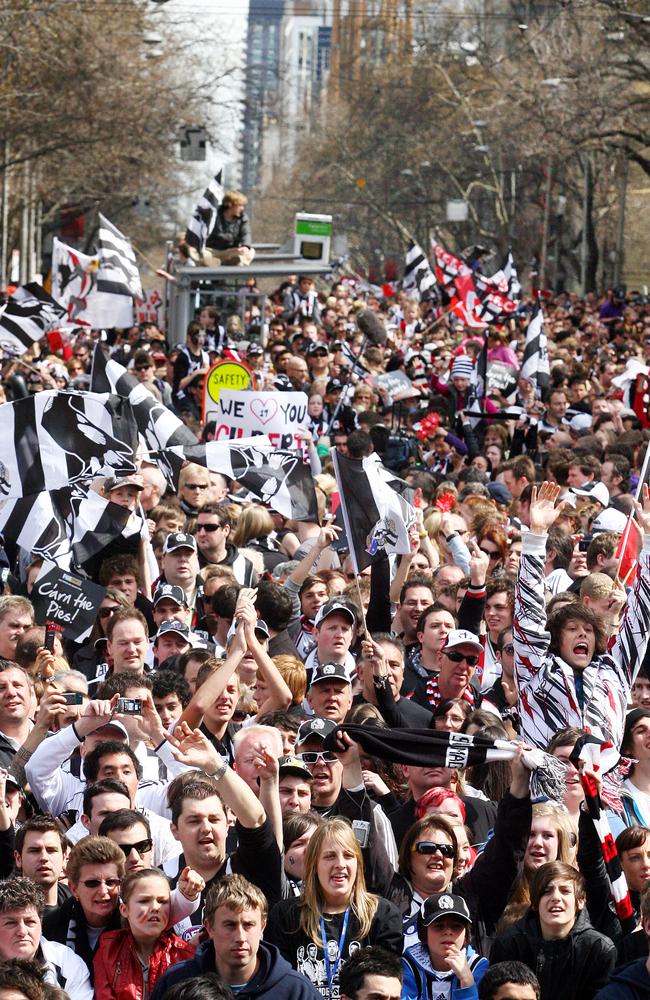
{"x": 230, "y": 240}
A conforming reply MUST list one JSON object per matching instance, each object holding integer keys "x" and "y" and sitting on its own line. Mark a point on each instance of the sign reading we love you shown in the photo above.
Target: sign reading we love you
{"x": 242, "y": 414}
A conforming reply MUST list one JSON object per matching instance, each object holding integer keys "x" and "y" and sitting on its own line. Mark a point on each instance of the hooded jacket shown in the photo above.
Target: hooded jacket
{"x": 572, "y": 968}
{"x": 118, "y": 970}
{"x": 274, "y": 978}
{"x": 420, "y": 979}
{"x": 629, "y": 982}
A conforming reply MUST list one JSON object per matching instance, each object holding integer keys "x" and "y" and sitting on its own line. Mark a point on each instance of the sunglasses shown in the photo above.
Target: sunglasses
{"x": 196, "y": 486}
{"x": 94, "y": 883}
{"x": 141, "y": 847}
{"x": 208, "y": 527}
{"x": 428, "y": 847}
{"x": 143, "y": 368}
{"x": 313, "y": 756}
{"x": 492, "y": 553}
{"x": 107, "y": 612}
{"x": 471, "y": 660}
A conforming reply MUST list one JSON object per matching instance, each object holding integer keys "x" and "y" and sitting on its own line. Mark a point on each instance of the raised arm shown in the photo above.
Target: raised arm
{"x": 530, "y": 634}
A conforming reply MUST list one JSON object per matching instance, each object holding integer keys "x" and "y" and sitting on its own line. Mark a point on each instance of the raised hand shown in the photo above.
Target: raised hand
{"x": 191, "y": 884}
{"x": 478, "y": 565}
{"x": 543, "y": 512}
{"x": 192, "y": 748}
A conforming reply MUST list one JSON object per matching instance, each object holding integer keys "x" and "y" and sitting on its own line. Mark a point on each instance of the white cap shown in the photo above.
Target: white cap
{"x": 462, "y": 637}
{"x": 609, "y": 520}
{"x": 595, "y": 491}
{"x": 580, "y": 422}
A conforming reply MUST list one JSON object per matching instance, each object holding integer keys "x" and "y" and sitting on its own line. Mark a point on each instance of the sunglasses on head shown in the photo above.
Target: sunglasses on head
{"x": 141, "y": 847}
{"x": 470, "y": 660}
{"x": 313, "y": 756}
{"x": 429, "y": 847}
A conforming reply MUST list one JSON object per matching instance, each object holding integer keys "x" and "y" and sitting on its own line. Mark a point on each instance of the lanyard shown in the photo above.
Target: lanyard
{"x": 329, "y": 971}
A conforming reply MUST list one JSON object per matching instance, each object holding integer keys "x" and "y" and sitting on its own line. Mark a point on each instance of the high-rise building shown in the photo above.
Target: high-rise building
{"x": 261, "y": 83}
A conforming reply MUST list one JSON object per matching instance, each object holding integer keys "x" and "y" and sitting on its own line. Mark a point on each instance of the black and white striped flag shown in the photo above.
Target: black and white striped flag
{"x": 376, "y": 513}
{"x": 282, "y": 479}
{"x": 506, "y": 279}
{"x": 29, "y": 313}
{"x": 56, "y": 439}
{"x": 37, "y": 525}
{"x": 205, "y": 214}
{"x": 118, "y": 271}
{"x": 159, "y": 428}
{"x": 96, "y": 523}
{"x": 535, "y": 366}
{"x": 419, "y": 280}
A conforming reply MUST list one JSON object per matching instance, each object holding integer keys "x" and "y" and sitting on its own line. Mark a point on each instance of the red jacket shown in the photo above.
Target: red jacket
{"x": 118, "y": 972}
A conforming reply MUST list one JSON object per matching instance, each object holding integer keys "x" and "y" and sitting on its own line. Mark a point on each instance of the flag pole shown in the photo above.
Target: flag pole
{"x": 348, "y": 532}
{"x": 156, "y": 270}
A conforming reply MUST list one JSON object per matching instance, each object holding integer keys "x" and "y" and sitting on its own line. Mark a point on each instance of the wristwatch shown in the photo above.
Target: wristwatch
{"x": 221, "y": 770}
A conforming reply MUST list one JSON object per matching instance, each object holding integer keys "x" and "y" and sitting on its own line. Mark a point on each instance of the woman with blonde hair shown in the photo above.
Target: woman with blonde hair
{"x": 551, "y": 838}
{"x": 254, "y": 530}
{"x": 335, "y": 915}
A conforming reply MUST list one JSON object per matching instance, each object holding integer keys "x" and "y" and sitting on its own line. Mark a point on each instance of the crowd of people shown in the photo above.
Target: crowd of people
{"x": 181, "y": 813}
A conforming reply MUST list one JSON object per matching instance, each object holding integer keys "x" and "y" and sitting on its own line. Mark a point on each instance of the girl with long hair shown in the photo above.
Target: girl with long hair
{"x": 335, "y": 914}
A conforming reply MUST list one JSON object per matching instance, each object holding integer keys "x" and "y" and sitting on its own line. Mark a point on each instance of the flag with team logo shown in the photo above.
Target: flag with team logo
{"x": 280, "y": 478}
{"x": 419, "y": 279}
{"x": 97, "y": 523}
{"x": 74, "y": 285}
{"x": 26, "y": 317}
{"x": 375, "y": 506}
{"x": 160, "y": 429}
{"x": 55, "y": 439}
{"x": 37, "y": 524}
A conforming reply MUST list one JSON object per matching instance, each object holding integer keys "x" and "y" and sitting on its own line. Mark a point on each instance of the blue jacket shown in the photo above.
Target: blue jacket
{"x": 419, "y": 978}
{"x": 274, "y": 978}
{"x": 628, "y": 982}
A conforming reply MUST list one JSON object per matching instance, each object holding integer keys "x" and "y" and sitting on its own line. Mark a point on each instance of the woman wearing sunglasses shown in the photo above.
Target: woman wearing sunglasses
{"x": 129, "y": 962}
{"x": 429, "y": 856}
{"x": 335, "y": 915}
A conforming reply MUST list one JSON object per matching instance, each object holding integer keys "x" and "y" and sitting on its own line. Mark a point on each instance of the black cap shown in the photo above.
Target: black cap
{"x": 315, "y": 346}
{"x": 333, "y": 385}
{"x": 329, "y": 672}
{"x": 170, "y": 592}
{"x": 334, "y": 607}
{"x": 172, "y": 625}
{"x": 315, "y": 727}
{"x": 443, "y": 904}
{"x": 179, "y": 540}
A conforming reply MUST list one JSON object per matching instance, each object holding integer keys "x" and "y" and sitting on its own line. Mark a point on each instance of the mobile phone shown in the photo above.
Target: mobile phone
{"x": 50, "y": 635}
{"x": 73, "y": 697}
{"x": 129, "y": 706}
{"x": 584, "y": 544}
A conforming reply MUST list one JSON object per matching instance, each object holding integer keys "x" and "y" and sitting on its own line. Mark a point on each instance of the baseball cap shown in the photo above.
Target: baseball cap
{"x": 114, "y": 724}
{"x": 262, "y": 628}
{"x": 332, "y": 608}
{"x": 499, "y": 493}
{"x": 609, "y": 520}
{"x": 315, "y": 727}
{"x": 170, "y": 592}
{"x": 255, "y": 348}
{"x": 333, "y": 385}
{"x": 463, "y": 637}
{"x": 595, "y": 491}
{"x": 328, "y": 672}
{"x": 283, "y": 383}
{"x": 315, "y": 346}
{"x": 580, "y": 422}
{"x": 116, "y": 482}
{"x": 179, "y": 540}
{"x": 172, "y": 625}
{"x": 293, "y": 765}
{"x": 443, "y": 904}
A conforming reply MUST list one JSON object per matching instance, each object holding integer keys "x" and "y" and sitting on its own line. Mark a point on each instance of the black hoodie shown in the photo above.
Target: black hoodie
{"x": 630, "y": 982}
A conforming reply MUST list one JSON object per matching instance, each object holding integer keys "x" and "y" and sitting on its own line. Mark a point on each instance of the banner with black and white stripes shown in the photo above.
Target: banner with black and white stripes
{"x": 118, "y": 271}
{"x": 205, "y": 214}
{"x": 28, "y": 315}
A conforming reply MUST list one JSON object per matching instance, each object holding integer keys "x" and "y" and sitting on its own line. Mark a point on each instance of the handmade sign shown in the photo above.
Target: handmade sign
{"x": 278, "y": 415}
{"x": 68, "y": 600}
